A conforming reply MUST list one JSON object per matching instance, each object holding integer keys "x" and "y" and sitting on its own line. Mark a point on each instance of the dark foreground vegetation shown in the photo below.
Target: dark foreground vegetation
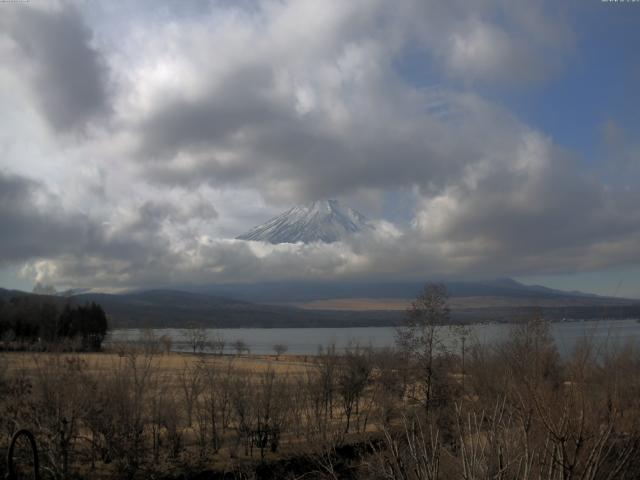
{"x": 514, "y": 410}
{"x": 33, "y": 322}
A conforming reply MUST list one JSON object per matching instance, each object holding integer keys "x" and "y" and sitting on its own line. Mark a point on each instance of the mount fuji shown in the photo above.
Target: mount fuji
{"x": 320, "y": 221}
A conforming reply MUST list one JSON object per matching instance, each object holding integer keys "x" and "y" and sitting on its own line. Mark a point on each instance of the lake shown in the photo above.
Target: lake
{"x": 305, "y": 341}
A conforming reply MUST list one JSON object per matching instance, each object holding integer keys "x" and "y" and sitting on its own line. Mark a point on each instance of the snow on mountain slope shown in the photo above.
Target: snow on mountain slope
{"x": 324, "y": 221}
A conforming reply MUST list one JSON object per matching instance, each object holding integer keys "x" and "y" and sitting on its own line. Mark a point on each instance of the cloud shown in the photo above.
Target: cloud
{"x": 525, "y": 49}
{"x": 211, "y": 120}
{"x": 283, "y": 108}
{"x": 461, "y": 232}
{"x": 38, "y": 228}
{"x": 52, "y": 51}
{"x": 34, "y": 225}
{"x": 540, "y": 210}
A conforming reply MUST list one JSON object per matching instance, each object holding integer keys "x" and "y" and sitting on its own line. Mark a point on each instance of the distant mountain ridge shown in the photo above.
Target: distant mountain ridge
{"x": 320, "y": 221}
{"x": 301, "y": 291}
{"x": 247, "y": 306}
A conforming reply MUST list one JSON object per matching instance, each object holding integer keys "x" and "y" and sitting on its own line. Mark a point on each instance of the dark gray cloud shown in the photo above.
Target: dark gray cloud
{"x": 36, "y": 227}
{"x": 54, "y": 53}
{"x": 33, "y": 224}
{"x": 151, "y": 215}
{"x": 256, "y": 137}
{"x": 239, "y": 103}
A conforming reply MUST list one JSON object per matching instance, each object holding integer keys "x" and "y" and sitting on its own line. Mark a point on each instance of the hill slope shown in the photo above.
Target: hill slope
{"x": 173, "y": 308}
{"x": 498, "y": 300}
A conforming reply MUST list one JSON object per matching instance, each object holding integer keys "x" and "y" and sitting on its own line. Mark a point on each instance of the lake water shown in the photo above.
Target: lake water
{"x": 305, "y": 341}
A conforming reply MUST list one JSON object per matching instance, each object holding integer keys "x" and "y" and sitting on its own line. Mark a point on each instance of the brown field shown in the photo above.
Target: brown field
{"x": 172, "y": 400}
{"x": 173, "y": 363}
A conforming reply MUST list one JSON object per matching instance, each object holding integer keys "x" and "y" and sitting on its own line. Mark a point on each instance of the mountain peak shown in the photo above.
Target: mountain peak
{"x": 322, "y": 206}
{"x": 319, "y": 221}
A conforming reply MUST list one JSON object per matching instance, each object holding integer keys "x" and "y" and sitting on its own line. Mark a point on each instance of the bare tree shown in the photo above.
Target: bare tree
{"x": 218, "y": 343}
{"x": 197, "y": 338}
{"x": 321, "y": 385}
{"x": 122, "y": 411}
{"x": 244, "y": 411}
{"x": 412, "y": 453}
{"x": 240, "y": 347}
{"x": 150, "y": 342}
{"x": 57, "y": 412}
{"x": 390, "y": 383}
{"x": 215, "y": 400}
{"x": 353, "y": 377}
{"x": 158, "y": 406}
{"x": 270, "y": 409}
{"x": 280, "y": 349}
{"x": 420, "y": 336}
{"x": 462, "y": 333}
{"x": 166, "y": 342}
{"x": 173, "y": 426}
{"x": 190, "y": 379}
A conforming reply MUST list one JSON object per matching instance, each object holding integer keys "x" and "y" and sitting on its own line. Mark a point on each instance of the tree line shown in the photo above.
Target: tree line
{"x": 36, "y": 322}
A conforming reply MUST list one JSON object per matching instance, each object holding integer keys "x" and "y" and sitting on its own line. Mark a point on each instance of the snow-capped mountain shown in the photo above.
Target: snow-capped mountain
{"x": 325, "y": 221}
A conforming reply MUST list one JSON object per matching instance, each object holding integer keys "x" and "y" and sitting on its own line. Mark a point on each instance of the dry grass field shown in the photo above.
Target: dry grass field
{"x": 172, "y": 364}
{"x": 134, "y": 412}
{"x": 510, "y": 411}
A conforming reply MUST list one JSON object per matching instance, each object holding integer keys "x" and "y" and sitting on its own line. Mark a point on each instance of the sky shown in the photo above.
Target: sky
{"x": 488, "y": 138}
